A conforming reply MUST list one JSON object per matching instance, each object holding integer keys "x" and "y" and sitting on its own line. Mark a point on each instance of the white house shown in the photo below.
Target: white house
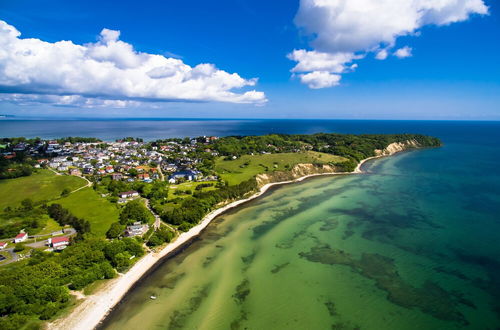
{"x": 21, "y": 237}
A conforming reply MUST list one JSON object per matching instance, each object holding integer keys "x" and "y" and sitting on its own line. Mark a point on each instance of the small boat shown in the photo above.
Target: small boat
{"x": 153, "y": 297}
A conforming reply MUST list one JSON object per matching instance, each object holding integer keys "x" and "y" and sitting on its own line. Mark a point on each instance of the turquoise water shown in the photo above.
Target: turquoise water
{"x": 411, "y": 244}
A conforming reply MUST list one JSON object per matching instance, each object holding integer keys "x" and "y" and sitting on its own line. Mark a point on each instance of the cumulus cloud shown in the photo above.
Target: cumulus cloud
{"x": 342, "y": 31}
{"x": 109, "y": 71}
{"x": 403, "y": 52}
{"x": 320, "y": 79}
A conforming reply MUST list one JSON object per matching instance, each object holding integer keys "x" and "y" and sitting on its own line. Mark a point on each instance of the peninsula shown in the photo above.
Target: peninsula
{"x": 130, "y": 203}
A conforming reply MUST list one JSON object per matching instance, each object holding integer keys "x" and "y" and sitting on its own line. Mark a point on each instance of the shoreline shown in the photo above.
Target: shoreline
{"x": 95, "y": 308}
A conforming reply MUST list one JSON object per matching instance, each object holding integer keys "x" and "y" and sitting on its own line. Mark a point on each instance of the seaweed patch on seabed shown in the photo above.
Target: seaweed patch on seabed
{"x": 430, "y": 299}
{"x": 279, "y": 216}
{"x": 178, "y": 318}
{"x": 288, "y": 243}
{"x": 242, "y": 291}
{"x": 247, "y": 260}
{"x": 210, "y": 259}
{"x": 171, "y": 281}
{"x": 278, "y": 268}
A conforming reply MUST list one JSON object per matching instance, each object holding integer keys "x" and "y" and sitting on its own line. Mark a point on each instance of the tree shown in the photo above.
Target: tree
{"x": 27, "y": 204}
{"x": 19, "y": 247}
{"x": 135, "y": 211}
{"x": 65, "y": 192}
{"x": 115, "y": 230}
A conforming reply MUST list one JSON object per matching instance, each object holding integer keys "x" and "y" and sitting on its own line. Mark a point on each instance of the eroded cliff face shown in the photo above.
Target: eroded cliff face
{"x": 296, "y": 172}
{"x": 301, "y": 170}
{"x": 397, "y": 147}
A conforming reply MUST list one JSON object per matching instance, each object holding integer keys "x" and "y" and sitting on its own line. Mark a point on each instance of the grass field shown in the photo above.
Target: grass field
{"x": 50, "y": 227}
{"x": 87, "y": 204}
{"x": 44, "y": 185}
{"x": 247, "y": 166}
{"x": 188, "y": 186}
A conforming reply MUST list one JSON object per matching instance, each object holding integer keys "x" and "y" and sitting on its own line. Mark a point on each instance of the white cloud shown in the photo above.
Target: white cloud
{"x": 320, "y": 79}
{"x": 382, "y": 54}
{"x": 346, "y": 30}
{"x": 112, "y": 70}
{"x": 68, "y": 101}
{"x": 403, "y": 52}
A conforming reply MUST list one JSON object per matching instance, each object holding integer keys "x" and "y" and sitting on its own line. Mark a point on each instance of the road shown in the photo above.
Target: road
{"x": 158, "y": 221}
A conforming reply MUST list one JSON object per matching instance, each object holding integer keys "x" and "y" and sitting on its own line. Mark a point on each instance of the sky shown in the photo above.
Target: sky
{"x": 332, "y": 59}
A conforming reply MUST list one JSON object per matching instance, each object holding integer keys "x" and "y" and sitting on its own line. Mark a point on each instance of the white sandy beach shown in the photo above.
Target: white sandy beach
{"x": 94, "y": 308}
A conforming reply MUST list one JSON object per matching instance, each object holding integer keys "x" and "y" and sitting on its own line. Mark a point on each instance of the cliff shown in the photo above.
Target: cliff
{"x": 302, "y": 170}
{"x": 298, "y": 171}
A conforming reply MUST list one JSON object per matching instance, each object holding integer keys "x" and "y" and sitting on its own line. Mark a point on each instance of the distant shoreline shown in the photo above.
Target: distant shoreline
{"x": 95, "y": 308}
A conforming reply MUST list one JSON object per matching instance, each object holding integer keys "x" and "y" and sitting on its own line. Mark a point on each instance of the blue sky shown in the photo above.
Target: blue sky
{"x": 453, "y": 71}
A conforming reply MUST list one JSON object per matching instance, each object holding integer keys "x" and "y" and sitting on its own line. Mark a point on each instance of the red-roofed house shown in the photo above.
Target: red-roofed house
{"x": 58, "y": 243}
{"x": 21, "y": 237}
{"x": 3, "y": 245}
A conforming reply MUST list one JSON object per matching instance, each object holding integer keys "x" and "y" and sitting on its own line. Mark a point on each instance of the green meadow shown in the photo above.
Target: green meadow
{"x": 87, "y": 204}
{"x": 248, "y": 166}
{"x": 44, "y": 185}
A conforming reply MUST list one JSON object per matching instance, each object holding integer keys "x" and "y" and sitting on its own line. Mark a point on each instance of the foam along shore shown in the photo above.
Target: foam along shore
{"x": 94, "y": 308}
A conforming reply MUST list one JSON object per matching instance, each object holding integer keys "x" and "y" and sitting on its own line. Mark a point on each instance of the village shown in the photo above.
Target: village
{"x": 122, "y": 160}
{"x": 128, "y": 163}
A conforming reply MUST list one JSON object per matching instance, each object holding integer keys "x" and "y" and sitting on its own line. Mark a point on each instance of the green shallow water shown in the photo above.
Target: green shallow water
{"x": 402, "y": 247}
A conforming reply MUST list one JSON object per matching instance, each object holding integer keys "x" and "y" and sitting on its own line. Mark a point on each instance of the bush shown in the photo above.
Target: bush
{"x": 19, "y": 247}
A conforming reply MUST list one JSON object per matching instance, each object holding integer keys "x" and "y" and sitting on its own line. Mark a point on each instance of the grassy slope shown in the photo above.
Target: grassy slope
{"x": 234, "y": 171}
{"x": 188, "y": 186}
{"x": 44, "y": 185}
{"x": 87, "y": 204}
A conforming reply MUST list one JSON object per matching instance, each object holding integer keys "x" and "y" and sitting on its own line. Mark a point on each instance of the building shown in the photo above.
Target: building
{"x": 3, "y": 245}
{"x": 137, "y": 229}
{"x": 21, "y": 237}
{"x": 117, "y": 176}
{"x": 189, "y": 175}
{"x": 75, "y": 172}
{"x": 129, "y": 194}
{"x": 58, "y": 243}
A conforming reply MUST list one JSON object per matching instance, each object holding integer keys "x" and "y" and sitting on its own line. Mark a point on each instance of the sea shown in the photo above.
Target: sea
{"x": 412, "y": 243}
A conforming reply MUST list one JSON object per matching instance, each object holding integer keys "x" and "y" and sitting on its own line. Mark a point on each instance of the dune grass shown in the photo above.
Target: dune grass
{"x": 247, "y": 166}
{"x": 44, "y": 185}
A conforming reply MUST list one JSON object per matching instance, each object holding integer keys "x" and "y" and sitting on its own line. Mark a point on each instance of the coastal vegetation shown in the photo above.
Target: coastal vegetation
{"x": 39, "y": 289}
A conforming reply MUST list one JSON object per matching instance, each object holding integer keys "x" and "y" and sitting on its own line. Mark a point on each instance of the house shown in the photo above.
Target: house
{"x": 129, "y": 194}
{"x": 3, "y": 245}
{"x": 58, "y": 243}
{"x": 117, "y": 176}
{"x": 189, "y": 175}
{"x": 75, "y": 172}
{"x": 137, "y": 229}
{"x": 21, "y": 237}
{"x": 143, "y": 176}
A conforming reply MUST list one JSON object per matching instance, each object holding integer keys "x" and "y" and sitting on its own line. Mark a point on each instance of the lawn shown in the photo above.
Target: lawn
{"x": 247, "y": 166}
{"x": 87, "y": 204}
{"x": 44, "y": 185}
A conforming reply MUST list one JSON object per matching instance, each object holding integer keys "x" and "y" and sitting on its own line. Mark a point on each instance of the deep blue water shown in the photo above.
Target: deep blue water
{"x": 151, "y": 129}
